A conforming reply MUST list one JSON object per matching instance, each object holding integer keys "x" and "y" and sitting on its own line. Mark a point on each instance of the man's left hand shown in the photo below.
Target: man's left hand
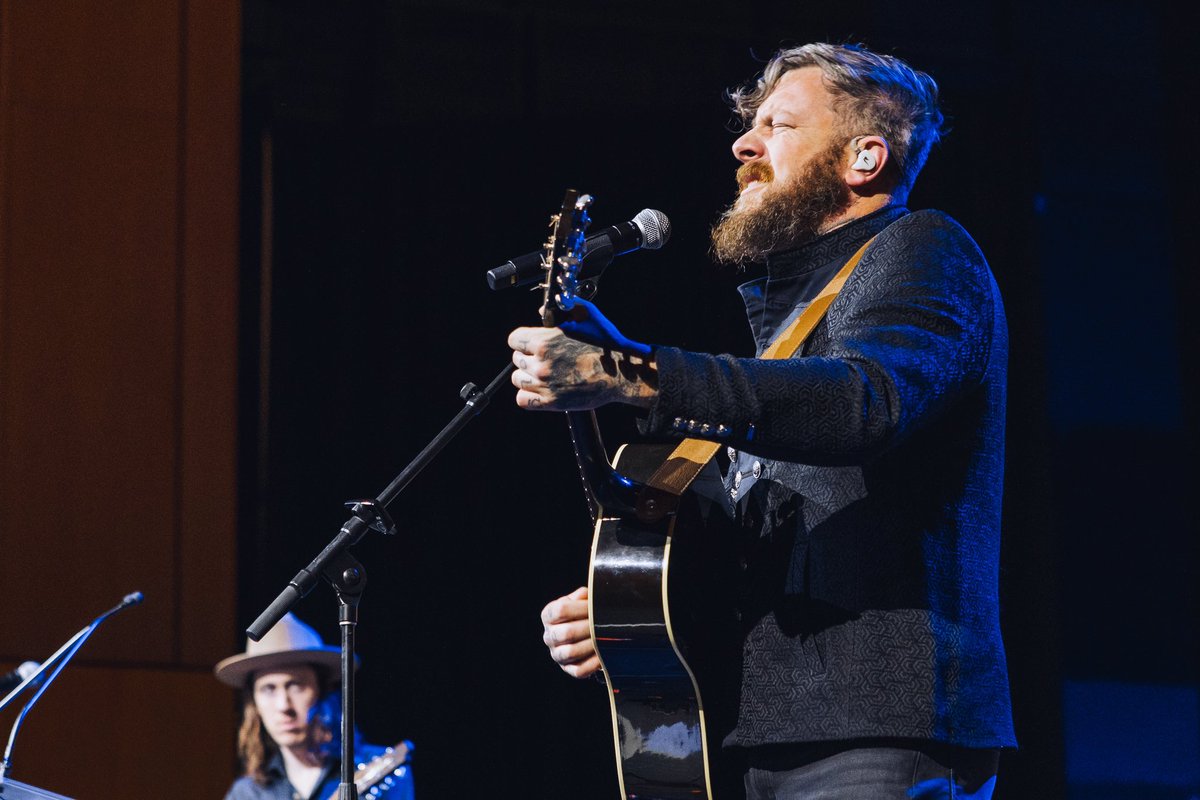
{"x": 557, "y": 373}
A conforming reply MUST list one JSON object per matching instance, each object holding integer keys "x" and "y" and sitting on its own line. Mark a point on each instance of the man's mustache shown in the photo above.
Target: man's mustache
{"x": 754, "y": 171}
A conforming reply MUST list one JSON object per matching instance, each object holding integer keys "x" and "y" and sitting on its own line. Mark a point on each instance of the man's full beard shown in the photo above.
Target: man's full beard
{"x": 786, "y": 215}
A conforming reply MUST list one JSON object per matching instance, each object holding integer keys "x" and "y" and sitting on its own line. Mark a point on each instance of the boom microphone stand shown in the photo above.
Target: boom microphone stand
{"x": 59, "y": 660}
{"x": 348, "y": 576}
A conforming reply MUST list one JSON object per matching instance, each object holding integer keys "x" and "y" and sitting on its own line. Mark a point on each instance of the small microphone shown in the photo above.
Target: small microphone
{"x": 649, "y": 230}
{"x": 13, "y": 679}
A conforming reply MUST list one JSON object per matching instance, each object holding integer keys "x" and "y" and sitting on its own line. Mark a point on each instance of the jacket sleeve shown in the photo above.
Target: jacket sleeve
{"x": 910, "y": 333}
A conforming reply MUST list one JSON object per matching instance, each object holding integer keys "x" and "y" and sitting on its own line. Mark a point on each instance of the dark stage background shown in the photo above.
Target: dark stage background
{"x": 393, "y": 152}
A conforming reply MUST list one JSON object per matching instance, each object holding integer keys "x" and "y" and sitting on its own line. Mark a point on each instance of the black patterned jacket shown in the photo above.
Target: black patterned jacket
{"x": 871, "y": 475}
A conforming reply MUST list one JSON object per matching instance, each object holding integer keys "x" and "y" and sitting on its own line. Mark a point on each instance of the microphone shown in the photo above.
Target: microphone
{"x": 16, "y": 677}
{"x": 649, "y": 230}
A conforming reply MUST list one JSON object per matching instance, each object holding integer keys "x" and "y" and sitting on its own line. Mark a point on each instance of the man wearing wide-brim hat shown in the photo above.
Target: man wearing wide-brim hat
{"x": 288, "y": 741}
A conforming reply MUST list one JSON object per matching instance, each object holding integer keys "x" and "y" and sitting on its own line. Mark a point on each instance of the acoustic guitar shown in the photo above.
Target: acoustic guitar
{"x": 660, "y": 620}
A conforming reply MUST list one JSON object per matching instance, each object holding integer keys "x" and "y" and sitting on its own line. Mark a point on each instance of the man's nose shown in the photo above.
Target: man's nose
{"x": 748, "y": 147}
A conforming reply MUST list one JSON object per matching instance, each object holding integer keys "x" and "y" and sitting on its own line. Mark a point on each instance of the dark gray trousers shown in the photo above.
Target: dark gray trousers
{"x": 884, "y": 770}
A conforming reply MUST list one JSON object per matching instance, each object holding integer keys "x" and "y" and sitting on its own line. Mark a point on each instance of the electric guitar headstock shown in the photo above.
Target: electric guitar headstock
{"x": 563, "y": 256}
{"x": 375, "y": 778}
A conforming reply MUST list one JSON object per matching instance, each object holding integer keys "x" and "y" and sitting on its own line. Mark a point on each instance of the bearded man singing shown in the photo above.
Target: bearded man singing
{"x": 866, "y": 469}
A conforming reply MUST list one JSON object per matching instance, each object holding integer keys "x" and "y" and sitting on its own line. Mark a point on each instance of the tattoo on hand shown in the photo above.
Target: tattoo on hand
{"x": 586, "y": 376}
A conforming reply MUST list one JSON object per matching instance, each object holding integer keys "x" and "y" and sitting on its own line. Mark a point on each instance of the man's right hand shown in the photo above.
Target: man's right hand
{"x": 568, "y": 634}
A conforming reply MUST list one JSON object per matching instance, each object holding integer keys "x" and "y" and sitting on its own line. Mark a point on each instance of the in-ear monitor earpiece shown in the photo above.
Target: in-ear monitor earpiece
{"x": 865, "y": 161}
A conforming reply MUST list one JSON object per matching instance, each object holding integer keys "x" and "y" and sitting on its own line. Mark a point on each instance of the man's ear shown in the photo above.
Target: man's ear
{"x": 868, "y": 157}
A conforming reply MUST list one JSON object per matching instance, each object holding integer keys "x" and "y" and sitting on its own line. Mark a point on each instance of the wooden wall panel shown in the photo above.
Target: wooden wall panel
{"x": 209, "y": 332}
{"x": 118, "y": 384}
{"x": 121, "y": 733}
{"x": 90, "y": 408}
{"x": 88, "y": 54}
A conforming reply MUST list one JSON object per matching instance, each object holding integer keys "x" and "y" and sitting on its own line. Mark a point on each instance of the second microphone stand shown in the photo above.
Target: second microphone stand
{"x": 347, "y": 575}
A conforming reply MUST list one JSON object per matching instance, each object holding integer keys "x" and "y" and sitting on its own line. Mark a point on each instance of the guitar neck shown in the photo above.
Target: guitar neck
{"x": 604, "y": 487}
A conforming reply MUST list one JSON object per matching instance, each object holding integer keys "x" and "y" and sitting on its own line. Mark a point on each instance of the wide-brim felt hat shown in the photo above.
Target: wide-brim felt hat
{"x": 289, "y": 643}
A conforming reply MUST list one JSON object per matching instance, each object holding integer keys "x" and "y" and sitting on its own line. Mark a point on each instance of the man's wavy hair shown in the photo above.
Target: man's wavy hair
{"x": 255, "y": 746}
{"x": 872, "y": 94}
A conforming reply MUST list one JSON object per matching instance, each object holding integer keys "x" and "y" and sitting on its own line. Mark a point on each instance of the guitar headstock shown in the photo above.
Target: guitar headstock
{"x": 376, "y": 778}
{"x": 563, "y": 256}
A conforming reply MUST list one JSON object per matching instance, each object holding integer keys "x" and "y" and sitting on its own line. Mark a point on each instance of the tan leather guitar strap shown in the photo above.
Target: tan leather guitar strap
{"x": 676, "y": 474}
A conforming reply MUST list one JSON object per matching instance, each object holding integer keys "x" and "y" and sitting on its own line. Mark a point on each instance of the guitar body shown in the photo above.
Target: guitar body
{"x": 665, "y": 638}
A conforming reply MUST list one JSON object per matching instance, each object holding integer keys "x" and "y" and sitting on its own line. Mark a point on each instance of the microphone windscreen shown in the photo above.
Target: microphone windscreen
{"x": 655, "y": 228}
